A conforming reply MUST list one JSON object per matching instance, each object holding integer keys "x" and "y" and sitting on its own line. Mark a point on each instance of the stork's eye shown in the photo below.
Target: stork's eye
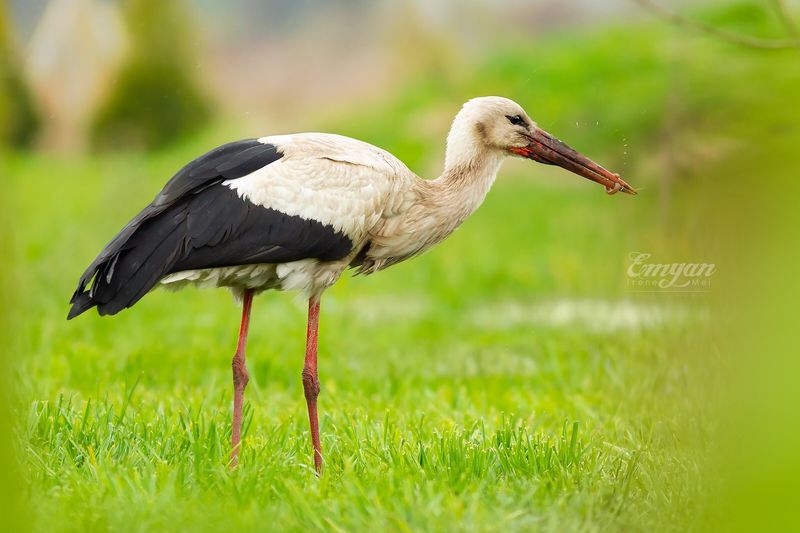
{"x": 516, "y": 120}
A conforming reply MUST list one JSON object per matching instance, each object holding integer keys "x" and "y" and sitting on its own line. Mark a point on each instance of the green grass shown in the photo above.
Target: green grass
{"x": 450, "y": 400}
{"x": 506, "y": 380}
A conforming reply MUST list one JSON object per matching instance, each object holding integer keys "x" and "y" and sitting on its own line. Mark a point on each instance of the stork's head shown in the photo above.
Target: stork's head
{"x": 500, "y": 126}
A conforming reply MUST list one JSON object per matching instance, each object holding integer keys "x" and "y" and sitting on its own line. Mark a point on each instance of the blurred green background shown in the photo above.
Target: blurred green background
{"x": 510, "y": 379}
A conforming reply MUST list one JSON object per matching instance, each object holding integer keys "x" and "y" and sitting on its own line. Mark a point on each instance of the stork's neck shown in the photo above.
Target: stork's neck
{"x": 439, "y": 207}
{"x": 469, "y": 172}
{"x": 470, "y": 165}
{"x": 444, "y": 203}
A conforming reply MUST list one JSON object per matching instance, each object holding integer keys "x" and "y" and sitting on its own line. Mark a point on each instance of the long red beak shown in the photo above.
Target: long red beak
{"x": 546, "y": 149}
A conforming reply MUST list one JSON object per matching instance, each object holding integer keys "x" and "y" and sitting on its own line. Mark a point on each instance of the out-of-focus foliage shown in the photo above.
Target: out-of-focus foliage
{"x": 156, "y": 99}
{"x": 19, "y": 121}
{"x": 13, "y": 508}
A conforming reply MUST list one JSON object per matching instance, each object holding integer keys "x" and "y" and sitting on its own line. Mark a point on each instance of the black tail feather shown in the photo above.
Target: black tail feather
{"x": 159, "y": 238}
{"x": 207, "y": 229}
{"x": 80, "y": 303}
{"x": 129, "y": 267}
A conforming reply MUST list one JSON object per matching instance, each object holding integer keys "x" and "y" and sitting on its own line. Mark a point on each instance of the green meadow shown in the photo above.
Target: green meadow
{"x": 507, "y": 380}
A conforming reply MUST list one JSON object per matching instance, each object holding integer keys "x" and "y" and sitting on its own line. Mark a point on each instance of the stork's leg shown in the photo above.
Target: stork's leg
{"x": 311, "y": 380}
{"x": 240, "y": 378}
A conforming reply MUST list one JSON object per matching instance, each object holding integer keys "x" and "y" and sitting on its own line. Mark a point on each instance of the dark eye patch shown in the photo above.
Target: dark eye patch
{"x": 516, "y": 120}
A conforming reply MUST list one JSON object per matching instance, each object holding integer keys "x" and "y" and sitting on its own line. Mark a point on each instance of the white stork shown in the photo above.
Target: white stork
{"x": 292, "y": 212}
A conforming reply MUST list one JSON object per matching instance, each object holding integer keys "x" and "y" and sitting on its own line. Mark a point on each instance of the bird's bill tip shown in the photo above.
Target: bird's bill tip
{"x": 544, "y": 148}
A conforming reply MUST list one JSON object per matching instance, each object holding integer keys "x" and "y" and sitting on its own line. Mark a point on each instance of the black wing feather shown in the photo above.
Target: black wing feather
{"x": 196, "y": 222}
{"x": 229, "y": 161}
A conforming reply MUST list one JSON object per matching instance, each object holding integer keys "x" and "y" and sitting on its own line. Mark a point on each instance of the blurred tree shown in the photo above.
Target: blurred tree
{"x": 782, "y": 11}
{"x": 742, "y": 23}
{"x": 156, "y": 99}
{"x": 74, "y": 53}
{"x": 19, "y": 121}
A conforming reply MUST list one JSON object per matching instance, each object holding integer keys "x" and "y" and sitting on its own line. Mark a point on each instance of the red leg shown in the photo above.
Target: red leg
{"x": 311, "y": 380}
{"x": 240, "y": 378}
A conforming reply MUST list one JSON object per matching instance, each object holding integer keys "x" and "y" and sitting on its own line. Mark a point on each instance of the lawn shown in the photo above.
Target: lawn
{"x": 506, "y": 380}
{"x": 494, "y": 383}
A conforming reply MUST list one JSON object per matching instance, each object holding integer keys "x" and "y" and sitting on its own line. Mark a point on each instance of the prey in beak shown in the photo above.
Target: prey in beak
{"x": 546, "y": 149}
